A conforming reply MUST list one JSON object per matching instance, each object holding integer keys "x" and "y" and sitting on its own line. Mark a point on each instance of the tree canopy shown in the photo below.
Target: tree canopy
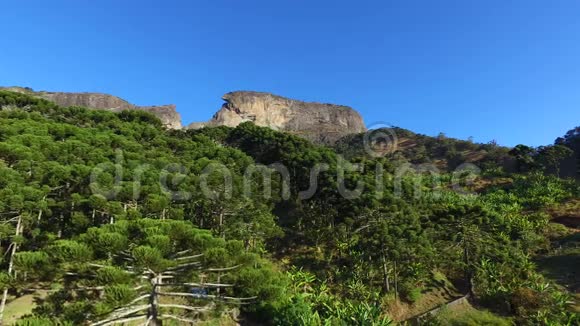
{"x": 108, "y": 217}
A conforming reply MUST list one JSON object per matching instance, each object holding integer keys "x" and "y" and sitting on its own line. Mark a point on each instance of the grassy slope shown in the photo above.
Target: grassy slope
{"x": 18, "y": 307}
{"x": 562, "y": 264}
{"x": 467, "y": 315}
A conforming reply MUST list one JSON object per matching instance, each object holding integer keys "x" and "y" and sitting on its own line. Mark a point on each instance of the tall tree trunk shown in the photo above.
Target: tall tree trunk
{"x": 467, "y": 272}
{"x": 385, "y": 273}
{"x": 221, "y": 224}
{"x": 396, "y": 282}
{"x": 61, "y": 227}
{"x": 10, "y": 267}
{"x": 153, "y": 313}
{"x": 219, "y": 279}
{"x": 40, "y": 210}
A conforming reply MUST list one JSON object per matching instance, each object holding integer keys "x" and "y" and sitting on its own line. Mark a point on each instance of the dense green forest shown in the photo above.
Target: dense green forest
{"x": 108, "y": 218}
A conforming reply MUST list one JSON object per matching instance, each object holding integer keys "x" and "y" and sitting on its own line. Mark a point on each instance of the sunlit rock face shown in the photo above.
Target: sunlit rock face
{"x": 322, "y": 123}
{"x": 166, "y": 113}
{"x": 318, "y": 122}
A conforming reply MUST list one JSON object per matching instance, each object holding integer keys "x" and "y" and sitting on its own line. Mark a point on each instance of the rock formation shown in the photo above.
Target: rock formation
{"x": 323, "y": 123}
{"x": 166, "y": 113}
{"x": 318, "y": 122}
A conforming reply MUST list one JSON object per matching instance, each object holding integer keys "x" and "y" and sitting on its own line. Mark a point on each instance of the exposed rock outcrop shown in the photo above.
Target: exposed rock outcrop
{"x": 318, "y": 122}
{"x": 166, "y": 113}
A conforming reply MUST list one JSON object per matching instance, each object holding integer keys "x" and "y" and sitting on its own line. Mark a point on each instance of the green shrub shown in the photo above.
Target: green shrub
{"x": 410, "y": 292}
{"x": 294, "y": 312}
{"x": 469, "y": 318}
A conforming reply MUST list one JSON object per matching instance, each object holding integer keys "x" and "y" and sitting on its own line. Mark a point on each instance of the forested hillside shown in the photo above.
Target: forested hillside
{"x": 447, "y": 154}
{"x": 110, "y": 218}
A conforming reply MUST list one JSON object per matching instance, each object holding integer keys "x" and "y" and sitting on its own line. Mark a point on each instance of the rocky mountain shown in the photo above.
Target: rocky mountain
{"x": 318, "y": 122}
{"x": 322, "y": 123}
{"x": 166, "y": 113}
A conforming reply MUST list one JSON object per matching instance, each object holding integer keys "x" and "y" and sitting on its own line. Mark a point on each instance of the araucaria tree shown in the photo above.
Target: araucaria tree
{"x": 149, "y": 271}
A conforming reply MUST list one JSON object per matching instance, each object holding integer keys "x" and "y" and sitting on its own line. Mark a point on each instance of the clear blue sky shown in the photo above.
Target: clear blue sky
{"x": 503, "y": 70}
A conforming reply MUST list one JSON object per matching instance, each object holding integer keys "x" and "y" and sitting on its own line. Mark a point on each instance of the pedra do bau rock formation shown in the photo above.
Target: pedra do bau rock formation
{"x": 166, "y": 113}
{"x": 318, "y": 122}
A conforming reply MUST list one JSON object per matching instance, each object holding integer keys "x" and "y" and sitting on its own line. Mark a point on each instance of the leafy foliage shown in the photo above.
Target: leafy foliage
{"x": 96, "y": 206}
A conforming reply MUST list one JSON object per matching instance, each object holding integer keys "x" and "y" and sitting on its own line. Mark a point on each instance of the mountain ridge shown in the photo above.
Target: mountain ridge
{"x": 101, "y": 101}
{"x": 319, "y": 122}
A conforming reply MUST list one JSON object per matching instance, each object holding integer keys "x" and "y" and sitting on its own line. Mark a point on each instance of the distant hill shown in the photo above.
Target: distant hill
{"x": 571, "y": 166}
{"x": 446, "y": 153}
{"x": 166, "y": 113}
{"x": 340, "y": 127}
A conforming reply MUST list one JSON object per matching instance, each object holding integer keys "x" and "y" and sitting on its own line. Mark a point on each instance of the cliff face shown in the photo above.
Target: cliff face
{"x": 166, "y": 113}
{"x": 318, "y": 122}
